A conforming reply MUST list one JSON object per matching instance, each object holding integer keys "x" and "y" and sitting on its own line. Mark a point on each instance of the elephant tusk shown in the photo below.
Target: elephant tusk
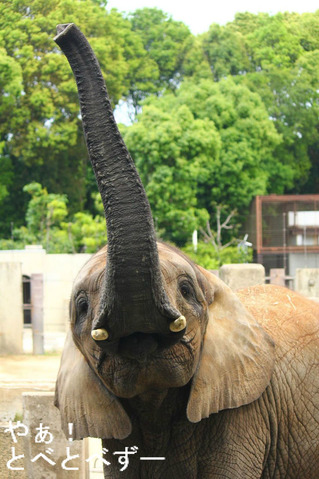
{"x": 99, "y": 334}
{"x": 178, "y": 325}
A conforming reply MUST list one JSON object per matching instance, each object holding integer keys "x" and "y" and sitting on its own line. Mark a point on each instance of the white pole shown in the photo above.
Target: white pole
{"x": 195, "y": 240}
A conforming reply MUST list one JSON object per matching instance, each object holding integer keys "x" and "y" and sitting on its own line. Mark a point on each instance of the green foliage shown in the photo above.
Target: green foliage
{"x": 209, "y": 143}
{"x": 86, "y": 234}
{"x": 174, "y": 155}
{"x": 6, "y": 175}
{"x": 41, "y": 131}
{"x": 276, "y": 57}
{"x": 142, "y": 71}
{"x": 44, "y": 215}
{"x": 225, "y": 50}
{"x": 18, "y": 417}
{"x": 244, "y": 122}
{"x": 166, "y": 42}
{"x": 196, "y": 62}
{"x": 273, "y": 44}
{"x": 248, "y": 139}
{"x": 45, "y": 225}
{"x": 10, "y": 91}
{"x": 207, "y": 256}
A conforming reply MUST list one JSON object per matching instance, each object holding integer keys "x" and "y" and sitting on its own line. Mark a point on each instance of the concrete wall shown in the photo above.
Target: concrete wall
{"x": 11, "y": 316}
{"x": 6, "y": 445}
{"x": 302, "y": 260}
{"x": 307, "y": 282}
{"x": 38, "y": 408}
{"x": 238, "y": 276}
{"x": 59, "y": 272}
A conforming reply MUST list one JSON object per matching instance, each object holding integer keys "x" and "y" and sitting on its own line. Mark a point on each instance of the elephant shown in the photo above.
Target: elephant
{"x": 177, "y": 374}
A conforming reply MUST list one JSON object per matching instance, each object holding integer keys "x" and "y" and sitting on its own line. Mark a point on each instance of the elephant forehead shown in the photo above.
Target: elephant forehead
{"x": 92, "y": 271}
{"x": 174, "y": 264}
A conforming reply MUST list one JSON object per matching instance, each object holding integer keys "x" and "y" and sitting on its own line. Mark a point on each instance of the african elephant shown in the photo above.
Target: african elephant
{"x": 162, "y": 356}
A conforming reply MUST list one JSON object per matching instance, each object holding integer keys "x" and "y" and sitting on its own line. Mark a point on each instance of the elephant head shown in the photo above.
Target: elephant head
{"x": 143, "y": 316}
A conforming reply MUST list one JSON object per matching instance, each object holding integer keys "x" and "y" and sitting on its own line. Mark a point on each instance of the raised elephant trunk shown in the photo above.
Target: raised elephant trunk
{"x": 133, "y": 298}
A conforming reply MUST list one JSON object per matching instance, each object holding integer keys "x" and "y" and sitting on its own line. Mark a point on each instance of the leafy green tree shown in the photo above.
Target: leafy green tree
{"x": 173, "y": 153}
{"x": 87, "y": 233}
{"x": 10, "y": 92}
{"x": 6, "y": 174}
{"x": 142, "y": 72}
{"x": 45, "y": 224}
{"x": 308, "y": 26}
{"x": 217, "y": 246}
{"x": 166, "y": 42}
{"x": 196, "y": 63}
{"x": 244, "y": 123}
{"x": 276, "y": 57}
{"x": 44, "y": 215}
{"x": 225, "y": 49}
{"x": 294, "y": 111}
{"x": 272, "y": 44}
{"x": 41, "y": 133}
{"x": 207, "y": 257}
{"x": 210, "y": 142}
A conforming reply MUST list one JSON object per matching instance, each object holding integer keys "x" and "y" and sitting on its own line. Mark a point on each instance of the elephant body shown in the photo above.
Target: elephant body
{"x": 276, "y": 436}
{"x": 162, "y": 359}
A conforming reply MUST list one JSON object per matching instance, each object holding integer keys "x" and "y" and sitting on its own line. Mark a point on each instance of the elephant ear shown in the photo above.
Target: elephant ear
{"x": 237, "y": 356}
{"x": 85, "y": 402}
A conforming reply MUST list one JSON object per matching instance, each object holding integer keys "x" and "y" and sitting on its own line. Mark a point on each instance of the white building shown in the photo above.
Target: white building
{"x": 34, "y": 299}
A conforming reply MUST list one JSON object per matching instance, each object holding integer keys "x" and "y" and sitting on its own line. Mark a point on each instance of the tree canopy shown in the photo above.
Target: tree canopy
{"x": 41, "y": 131}
{"x": 209, "y": 143}
{"x": 46, "y": 224}
{"x": 276, "y": 57}
{"x": 216, "y": 118}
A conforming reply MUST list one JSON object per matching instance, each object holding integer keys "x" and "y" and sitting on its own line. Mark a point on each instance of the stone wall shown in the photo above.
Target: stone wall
{"x": 11, "y": 315}
{"x": 39, "y": 409}
{"x": 59, "y": 272}
{"x": 238, "y": 276}
{"x": 307, "y": 282}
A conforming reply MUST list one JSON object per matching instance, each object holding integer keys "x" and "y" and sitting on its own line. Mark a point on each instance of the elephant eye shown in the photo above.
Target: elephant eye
{"x": 186, "y": 290}
{"x": 82, "y": 306}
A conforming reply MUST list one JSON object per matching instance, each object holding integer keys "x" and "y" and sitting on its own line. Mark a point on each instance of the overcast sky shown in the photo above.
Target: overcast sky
{"x": 200, "y": 14}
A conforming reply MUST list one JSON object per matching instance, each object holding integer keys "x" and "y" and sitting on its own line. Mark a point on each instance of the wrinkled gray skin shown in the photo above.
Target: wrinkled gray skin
{"x": 232, "y": 395}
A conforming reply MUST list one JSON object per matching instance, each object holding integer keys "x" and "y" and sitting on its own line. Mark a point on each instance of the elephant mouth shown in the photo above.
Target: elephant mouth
{"x": 143, "y": 361}
{"x": 140, "y": 346}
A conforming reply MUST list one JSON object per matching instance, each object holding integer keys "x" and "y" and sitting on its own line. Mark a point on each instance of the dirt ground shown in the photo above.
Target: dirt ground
{"x": 28, "y": 367}
{"x": 24, "y": 373}
{"x": 27, "y": 373}
{"x": 18, "y": 374}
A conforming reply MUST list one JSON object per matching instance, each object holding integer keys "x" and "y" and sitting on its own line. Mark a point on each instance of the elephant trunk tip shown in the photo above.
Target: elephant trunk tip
{"x": 62, "y": 29}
